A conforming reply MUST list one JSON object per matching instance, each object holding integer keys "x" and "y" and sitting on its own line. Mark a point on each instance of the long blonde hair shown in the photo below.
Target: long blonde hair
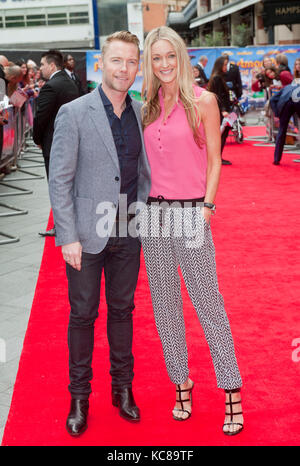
{"x": 185, "y": 80}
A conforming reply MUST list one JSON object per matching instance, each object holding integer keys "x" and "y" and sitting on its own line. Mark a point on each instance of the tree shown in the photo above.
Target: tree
{"x": 241, "y": 35}
{"x": 210, "y": 40}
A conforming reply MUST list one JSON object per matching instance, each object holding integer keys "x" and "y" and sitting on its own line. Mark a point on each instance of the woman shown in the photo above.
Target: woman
{"x": 182, "y": 140}
{"x": 296, "y": 71}
{"x": 196, "y": 74}
{"x": 218, "y": 86}
{"x": 283, "y": 70}
{"x": 259, "y": 83}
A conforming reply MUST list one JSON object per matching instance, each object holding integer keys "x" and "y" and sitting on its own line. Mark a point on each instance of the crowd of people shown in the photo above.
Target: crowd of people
{"x": 278, "y": 82}
{"x": 275, "y": 79}
{"x": 225, "y": 82}
{"x": 22, "y": 81}
{"x": 105, "y": 147}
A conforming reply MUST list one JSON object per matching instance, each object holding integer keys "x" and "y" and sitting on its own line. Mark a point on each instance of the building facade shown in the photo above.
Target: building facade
{"x": 248, "y": 22}
{"x": 155, "y": 12}
{"x": 26, "y": 24}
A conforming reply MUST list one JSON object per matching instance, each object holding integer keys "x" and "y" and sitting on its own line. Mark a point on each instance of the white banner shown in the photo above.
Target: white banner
{"x": 135, "y": 21}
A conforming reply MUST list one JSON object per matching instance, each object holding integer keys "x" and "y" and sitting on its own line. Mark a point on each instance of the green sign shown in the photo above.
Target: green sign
{"x": 278, "y": 12}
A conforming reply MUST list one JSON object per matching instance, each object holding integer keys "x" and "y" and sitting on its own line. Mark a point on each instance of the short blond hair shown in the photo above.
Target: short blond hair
{"x": 124, "y": 36}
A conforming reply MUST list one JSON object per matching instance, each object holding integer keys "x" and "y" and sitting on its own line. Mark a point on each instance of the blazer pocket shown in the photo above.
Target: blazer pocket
{"x": 83, "y": 215}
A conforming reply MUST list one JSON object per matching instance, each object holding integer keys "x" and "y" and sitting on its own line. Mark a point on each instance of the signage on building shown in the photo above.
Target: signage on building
{"x": 278, "y": 12}
{"x": 135, "y": 20}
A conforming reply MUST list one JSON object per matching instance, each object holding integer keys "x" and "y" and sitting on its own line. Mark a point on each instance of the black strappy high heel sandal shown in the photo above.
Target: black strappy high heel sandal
{"x": 181, "y": 401}
{"x": 232, "y": 414}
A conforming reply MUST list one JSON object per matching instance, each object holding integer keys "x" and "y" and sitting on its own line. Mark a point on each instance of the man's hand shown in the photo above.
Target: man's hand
{"x": 72, "y": 254}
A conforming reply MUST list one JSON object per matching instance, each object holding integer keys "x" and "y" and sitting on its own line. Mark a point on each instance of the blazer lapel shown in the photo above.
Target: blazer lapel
{"x": 101, "y": 123}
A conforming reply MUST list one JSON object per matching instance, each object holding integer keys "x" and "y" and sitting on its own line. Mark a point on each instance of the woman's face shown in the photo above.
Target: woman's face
{"x": 270, "y": 74}
{"x": 224, "y": 67}
{"x": 267, "y": 62}
{"x": 297, "y": 65}
{"x": 31, "y": 73}
{"x": 24, "y": 68}
{"x": 196, "y": 72}
{"x": 164, "y": 61}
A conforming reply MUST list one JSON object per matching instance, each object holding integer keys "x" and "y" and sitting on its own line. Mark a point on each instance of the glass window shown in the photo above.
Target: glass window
{"x": 112, "y": 16}
{"x": 14, "y": 21}
{"x": 36, "y": 20}
{"x": 57, "y": 18}
{"x": 1, "y": 22}
{"x": 80, "y": 17}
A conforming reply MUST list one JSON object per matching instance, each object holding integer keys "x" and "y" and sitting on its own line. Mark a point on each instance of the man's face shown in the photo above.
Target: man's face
{"x": 119, "y": 65}
{"x": 70, "y": 63}
{"x": 46, "y": 69}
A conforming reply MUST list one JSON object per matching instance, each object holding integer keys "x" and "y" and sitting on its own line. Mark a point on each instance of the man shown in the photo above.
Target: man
{"x": 203, "y": 60}
{"x": 285, "y": 104}
{"x": 69, "y": 67}
{"x": 58, "y": 90}
{"x": 98, "y": 154}
{"x": 233, "y": 77}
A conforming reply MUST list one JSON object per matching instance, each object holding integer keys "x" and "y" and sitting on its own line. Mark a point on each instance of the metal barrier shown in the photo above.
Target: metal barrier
{"x": 15, "y": 144}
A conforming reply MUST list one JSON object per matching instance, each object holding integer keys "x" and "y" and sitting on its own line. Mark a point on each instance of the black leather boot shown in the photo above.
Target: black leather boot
{"x": 123, "y": 399}
{"x": 77, "y": 418}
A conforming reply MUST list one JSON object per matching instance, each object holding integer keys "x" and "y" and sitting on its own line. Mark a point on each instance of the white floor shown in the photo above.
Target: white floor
{"x": 19, "y": 267}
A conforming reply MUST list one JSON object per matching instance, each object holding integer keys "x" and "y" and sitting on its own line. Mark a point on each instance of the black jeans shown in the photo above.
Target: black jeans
{"x": 120, "y": 260}
{"x": 288, "y": 111}
{"x": 224, "y": 136}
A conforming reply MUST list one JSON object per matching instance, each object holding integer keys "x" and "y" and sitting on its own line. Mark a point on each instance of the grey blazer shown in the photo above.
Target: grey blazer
{"x": 84, "y": 171}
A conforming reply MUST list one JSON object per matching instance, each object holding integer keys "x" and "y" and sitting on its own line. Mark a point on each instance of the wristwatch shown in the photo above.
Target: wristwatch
{"x": 210, "y": 206}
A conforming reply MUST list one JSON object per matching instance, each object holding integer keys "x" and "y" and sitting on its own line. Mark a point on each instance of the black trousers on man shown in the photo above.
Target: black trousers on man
{"x": 288, "y": 110}
{"x": 120, "y": 261}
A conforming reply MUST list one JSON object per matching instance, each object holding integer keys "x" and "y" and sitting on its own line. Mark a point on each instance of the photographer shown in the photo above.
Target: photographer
{"x": 260, "y": 83}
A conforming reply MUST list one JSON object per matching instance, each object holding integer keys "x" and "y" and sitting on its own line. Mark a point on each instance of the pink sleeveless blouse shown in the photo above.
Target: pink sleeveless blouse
{"x": 178, "y": 164}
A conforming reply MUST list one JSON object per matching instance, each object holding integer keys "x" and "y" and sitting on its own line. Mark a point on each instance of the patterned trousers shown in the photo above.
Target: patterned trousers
{"x": 173, "y": 237}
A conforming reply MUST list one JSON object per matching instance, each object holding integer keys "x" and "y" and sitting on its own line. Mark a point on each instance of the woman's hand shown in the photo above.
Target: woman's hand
{"x": 206, "y": 212}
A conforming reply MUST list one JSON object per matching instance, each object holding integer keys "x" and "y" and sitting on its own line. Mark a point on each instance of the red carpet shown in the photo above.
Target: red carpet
{"x": 256, "y": 233}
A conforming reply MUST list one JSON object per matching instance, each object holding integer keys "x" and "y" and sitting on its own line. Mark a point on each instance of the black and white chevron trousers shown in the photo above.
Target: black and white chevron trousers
{"x": 173, "y": 237}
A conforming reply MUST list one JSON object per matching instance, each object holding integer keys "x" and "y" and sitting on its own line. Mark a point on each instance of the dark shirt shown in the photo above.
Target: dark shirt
{"x": 128, "y": 143}
{"x": 281, "y": 98}
{"x": 218, "y": 86}
{"x": 233, "y": 80}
